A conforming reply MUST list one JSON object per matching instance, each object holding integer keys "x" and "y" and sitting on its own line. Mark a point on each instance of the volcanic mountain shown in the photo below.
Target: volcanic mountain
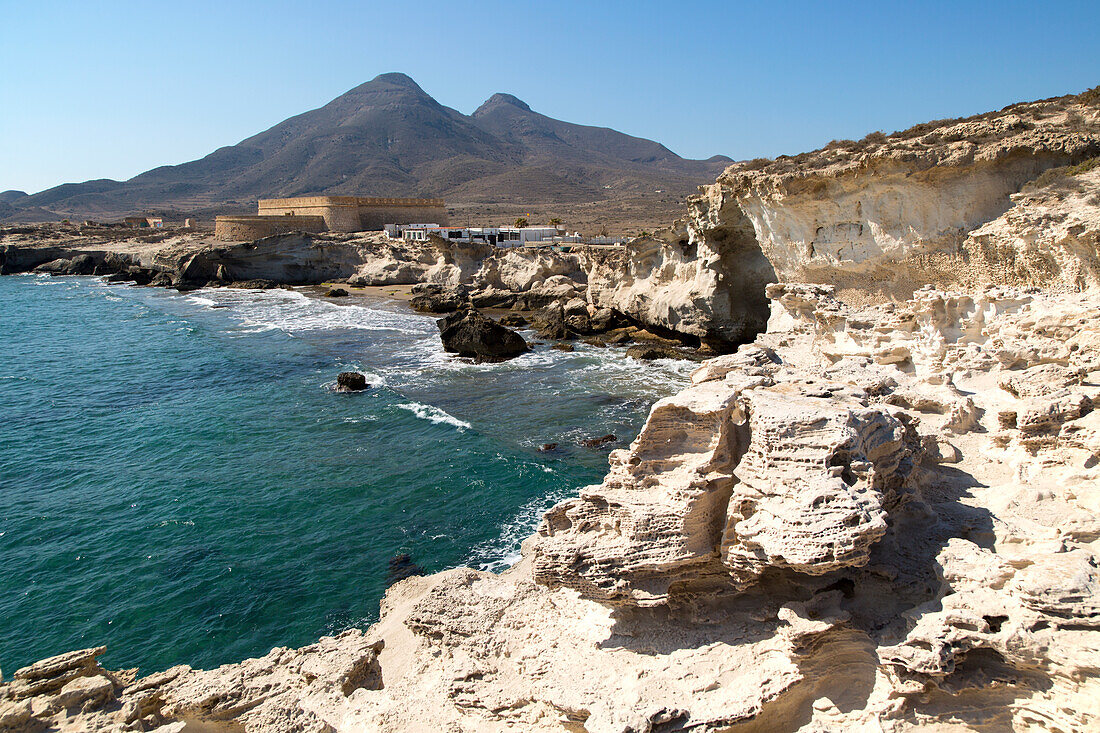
{"x": 388, "y": 137}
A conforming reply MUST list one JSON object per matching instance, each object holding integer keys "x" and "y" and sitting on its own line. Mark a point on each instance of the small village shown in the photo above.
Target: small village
{"x": 408, "y": 219}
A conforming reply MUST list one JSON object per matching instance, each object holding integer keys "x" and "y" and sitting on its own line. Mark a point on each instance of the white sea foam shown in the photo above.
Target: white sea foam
{"x": 293, "y": 312}
{"x": 434, "y": 414}
{"x": 502, "y": 553}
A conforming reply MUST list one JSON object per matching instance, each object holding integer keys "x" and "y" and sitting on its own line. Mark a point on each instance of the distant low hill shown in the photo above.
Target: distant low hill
{"x": 388, "y": 137}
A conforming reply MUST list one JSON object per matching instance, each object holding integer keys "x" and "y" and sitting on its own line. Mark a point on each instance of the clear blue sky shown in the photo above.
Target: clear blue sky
{"x": 109, "y": 89}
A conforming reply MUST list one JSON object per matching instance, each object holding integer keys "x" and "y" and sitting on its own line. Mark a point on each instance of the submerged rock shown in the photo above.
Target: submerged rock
{"x": 649, "y": 352}
{"x": 401, "y": 567}
{"x": 598, "y": 442}
{"x": 469, "y": 333}
{"x": 351, "y": 382}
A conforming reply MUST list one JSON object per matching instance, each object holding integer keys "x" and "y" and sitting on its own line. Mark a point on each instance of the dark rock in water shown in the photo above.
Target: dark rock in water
{"x": 562, "y": 346}
{"x": 578, "y": 324}
{"x": 120, "y": 277}
{"x": 598, "y": 342}
{"x": 649, "y": 352}
{"x": 551, "y": 323}
{"x": 401, "y": 567}
{"x": 512, "y": 320}
{"x": 548, "y": 447}
{"x": 146, "y": 276}
{"x": 620, "y": 335}
{"x": 469, "y": 333}
{"x": 351, "y": 382}
{"x": 160, "y": 280}
{"x": 336, "y": 293}
{"x": 186, "y": 286}
{"x": 598, "y": 442}
{"x": 253, "y": 284}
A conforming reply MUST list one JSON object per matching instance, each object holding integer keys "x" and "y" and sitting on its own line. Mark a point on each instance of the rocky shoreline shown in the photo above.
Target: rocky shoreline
{"x": 881, "y": 512}
{"x": 549, "y": 289}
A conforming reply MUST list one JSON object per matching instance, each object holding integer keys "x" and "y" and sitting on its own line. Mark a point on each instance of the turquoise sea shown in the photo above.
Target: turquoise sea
{"x": 179, "y": 481}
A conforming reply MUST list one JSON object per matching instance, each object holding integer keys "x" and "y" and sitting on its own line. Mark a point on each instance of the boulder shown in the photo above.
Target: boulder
{"x": 578, "y": 323}
{"x": 575, "y": 307}
{"x": 562, "y": 346}
{"x": 78, "y": 265}
{"x": 551, "y": 322}
{"x": 492, "y": 298}
{"x": 512, "y": 320}
{"x": 351, "y": 382}
{"x": 469, "y": 333}
{"x": 336, "y": 293}
{"x": 604, "y": 319}
{"x": 434, "y": 298}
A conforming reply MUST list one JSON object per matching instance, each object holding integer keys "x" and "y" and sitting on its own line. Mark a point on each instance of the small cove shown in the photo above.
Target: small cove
{"x": 179, "y": 482}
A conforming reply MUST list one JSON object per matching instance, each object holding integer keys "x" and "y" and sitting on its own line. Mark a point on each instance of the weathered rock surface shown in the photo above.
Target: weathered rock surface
{"x": 287, "y": 690}
{"x": 936, "y": 204}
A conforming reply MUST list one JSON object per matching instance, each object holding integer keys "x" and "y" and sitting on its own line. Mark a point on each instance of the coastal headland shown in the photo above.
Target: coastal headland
{"x": 877, "y": 507}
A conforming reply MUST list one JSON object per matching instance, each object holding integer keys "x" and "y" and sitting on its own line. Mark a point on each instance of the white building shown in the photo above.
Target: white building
{"x": 498, "y": 236}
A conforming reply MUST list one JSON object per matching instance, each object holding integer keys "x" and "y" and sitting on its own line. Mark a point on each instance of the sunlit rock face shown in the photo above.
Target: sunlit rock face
{"x": 937, "y": 204}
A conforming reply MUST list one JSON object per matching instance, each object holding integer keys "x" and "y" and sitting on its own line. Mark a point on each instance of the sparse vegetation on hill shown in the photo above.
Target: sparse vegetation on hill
{"x": 1062, "y": 175}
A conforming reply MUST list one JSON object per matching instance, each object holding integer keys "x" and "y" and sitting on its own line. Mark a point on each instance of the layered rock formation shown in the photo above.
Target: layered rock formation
{"x": 886, "y": 215}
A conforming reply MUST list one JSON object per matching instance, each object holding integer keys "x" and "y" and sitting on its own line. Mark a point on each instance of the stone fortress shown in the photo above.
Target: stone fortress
{"x": 328, "y": 214}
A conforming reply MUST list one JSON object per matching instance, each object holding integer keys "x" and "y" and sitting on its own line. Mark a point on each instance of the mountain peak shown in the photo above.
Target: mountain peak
{"x": 396, "y": 78}
{"x": 498, "y": 100}
{"x": 393, "y": 81}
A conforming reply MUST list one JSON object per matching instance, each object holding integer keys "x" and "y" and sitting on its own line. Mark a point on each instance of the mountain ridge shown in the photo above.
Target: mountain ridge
{"x": 388, "y": 137}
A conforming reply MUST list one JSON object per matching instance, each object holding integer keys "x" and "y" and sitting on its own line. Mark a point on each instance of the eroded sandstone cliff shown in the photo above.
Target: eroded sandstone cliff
{"x": 885, "y": 215}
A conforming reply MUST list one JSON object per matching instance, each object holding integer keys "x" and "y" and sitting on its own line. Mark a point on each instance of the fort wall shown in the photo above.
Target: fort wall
{"x": 248, "y": 228}
{"x": 357, "y": 213}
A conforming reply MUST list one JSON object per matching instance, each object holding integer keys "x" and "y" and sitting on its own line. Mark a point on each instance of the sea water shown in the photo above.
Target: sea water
{"x": 180, "y": 482}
